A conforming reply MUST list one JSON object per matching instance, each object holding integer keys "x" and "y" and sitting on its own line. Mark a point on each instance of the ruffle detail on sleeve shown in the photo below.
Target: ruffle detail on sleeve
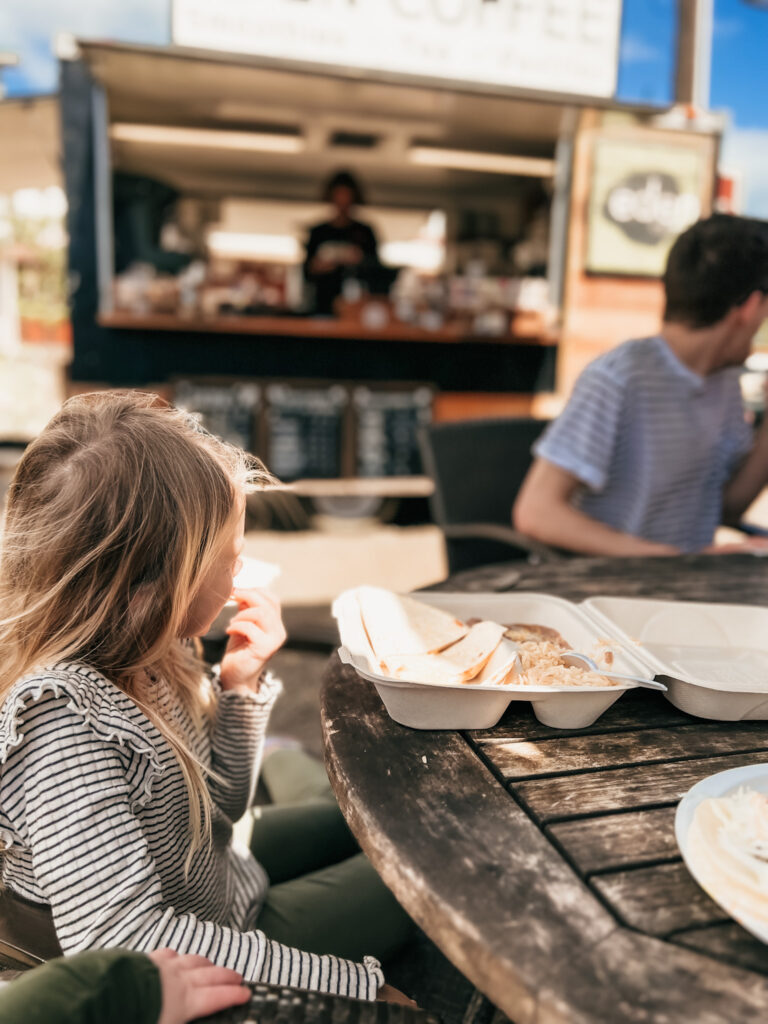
{"x": 374, "y": 971}
{"x": 104, "y": 709}
{"x": 7, "y": 839}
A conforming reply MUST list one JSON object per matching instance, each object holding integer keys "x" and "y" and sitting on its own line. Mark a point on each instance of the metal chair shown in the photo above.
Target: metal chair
{"x": 272, "y": 1004}
{"x": 27, "y": 934}
{"x": 477, "y": 467}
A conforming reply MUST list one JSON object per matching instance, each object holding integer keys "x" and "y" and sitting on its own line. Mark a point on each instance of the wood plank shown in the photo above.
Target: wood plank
{"x": 526, "y": 759}
{"x": 617, "y": 841}
{"x": 735, "y": 579}
{"x": 635, "y": 709}
{"x": 728, "y": 942}
{"x": 658, "y": 900}
{"x": 630, "y": 978}
{"x": 619, "y": 789}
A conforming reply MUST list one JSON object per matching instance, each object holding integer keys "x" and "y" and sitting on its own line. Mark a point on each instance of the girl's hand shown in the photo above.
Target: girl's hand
{"x": 193, "y": 987}
{"x": 255, "y": 633}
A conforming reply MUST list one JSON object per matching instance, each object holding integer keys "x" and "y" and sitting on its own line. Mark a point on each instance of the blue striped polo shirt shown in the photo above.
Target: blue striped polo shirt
{"x": 652, "y": 442}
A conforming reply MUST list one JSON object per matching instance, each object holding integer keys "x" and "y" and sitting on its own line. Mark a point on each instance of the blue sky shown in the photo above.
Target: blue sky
{"x": 646, "y": 67}
{"x": 739, "y": 80}
{"x": 739, "y": 68}
{"x": 739, "y": 74}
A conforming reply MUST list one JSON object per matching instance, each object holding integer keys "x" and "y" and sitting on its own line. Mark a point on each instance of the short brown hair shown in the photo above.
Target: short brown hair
{"x": 714, "y": 266}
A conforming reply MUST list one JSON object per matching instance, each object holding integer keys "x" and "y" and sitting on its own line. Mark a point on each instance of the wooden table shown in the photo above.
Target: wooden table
{"x": 543, "y": 863}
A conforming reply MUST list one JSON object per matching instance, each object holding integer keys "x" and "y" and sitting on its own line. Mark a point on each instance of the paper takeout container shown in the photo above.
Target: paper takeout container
{"x": 480, "y": 706}
{"x": 712, "y": 657}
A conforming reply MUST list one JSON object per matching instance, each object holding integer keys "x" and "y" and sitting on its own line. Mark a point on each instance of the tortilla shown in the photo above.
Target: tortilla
{"x": 398, "y": 625}
{"x": 502, "y": 667}
{"x": 458, "y": 664}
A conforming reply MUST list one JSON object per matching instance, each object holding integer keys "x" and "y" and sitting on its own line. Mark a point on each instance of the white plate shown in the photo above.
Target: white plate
{"x": 753, "y": 776}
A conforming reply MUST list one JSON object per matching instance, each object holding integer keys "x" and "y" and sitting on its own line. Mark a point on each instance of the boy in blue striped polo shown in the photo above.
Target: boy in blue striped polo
{"x": 652, "y": 451}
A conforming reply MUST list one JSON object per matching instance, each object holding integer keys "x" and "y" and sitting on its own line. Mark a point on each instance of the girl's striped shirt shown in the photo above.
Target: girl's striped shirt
{"x": 94, "y": 823}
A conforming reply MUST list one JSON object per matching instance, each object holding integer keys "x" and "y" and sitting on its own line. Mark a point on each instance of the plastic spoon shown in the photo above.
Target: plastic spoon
{"x": 572, "y": 659}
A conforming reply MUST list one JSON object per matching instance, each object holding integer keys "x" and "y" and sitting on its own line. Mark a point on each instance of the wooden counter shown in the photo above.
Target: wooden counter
{"x": 526, "y": 329}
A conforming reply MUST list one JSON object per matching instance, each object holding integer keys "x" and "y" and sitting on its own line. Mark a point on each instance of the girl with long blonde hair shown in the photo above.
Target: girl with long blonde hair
{"x": 122, "y": 765}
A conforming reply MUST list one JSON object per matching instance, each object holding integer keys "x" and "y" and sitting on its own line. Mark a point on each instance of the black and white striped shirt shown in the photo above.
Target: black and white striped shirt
{"x": 653, "y": 443}
{"x": 94, "y": 823}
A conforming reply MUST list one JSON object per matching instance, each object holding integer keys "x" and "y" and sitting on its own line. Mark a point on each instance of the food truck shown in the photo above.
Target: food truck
{"x": 522, "y": 214}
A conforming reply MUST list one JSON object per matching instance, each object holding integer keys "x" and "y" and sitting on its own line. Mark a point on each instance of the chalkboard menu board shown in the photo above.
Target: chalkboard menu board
{"x": 305, "y": 430}
{"x": 387, "y": 424}
{"x": 227, "y": 410}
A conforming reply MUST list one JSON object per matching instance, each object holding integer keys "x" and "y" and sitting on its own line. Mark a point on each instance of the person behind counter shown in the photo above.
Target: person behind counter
{"x": 340, "y": 248}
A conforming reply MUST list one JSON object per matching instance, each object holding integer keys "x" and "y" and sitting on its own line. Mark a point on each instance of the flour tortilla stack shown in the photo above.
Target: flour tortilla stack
{"x": 398, "y": 625}
{"x": 459, "y": 663}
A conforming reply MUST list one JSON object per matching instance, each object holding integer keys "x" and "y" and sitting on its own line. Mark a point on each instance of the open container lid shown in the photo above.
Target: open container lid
{"x": 721, "y": 647}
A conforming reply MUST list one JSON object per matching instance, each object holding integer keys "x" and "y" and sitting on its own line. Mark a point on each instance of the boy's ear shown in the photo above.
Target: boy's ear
{"x": 750, "y": 307}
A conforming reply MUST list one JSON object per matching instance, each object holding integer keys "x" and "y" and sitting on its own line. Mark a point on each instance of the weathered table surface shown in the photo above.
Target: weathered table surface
{"x": 542, "y": 862}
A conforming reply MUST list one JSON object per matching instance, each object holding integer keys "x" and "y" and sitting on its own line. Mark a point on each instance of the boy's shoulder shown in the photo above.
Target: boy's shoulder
{"x": 639, "y": 355}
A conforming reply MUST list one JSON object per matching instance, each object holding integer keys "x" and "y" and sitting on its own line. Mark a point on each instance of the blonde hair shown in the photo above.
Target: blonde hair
{"x": 113, "y": 517}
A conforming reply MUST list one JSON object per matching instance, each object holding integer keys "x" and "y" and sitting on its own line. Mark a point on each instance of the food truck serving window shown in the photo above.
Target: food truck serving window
{"x": 547, "y": 45}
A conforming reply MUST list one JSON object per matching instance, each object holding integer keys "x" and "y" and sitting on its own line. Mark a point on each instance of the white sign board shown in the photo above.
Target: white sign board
{"x": 561, "y": 46}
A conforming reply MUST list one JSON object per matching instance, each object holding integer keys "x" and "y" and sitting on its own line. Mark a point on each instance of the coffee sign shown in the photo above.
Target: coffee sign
{"x": 642, "y": 197}
{"x": 565, "y": 46}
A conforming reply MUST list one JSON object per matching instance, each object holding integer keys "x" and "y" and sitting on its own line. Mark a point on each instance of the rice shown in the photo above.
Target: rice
{"x": 541, "y": 665}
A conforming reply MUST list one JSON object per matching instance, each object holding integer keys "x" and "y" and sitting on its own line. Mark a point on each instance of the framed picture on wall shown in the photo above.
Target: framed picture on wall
{"x": 642, "y": 196}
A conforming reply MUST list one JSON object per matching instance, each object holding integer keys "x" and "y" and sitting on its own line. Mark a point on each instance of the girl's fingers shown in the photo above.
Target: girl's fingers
{"x": 266, "y": 618}
{"x": 251, "y": 596}
{"x": 270, "y": 625}
{"x": 257, "y": 615}
{"x": 207, "y": 975}
{"x": 162, "y": 956}
{"x": 189, "y": 962}
{"x": 202, "y": 1002}
{"x": 247, "y": 629}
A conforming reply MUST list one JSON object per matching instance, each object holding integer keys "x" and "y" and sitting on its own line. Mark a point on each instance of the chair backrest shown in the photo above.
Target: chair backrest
{"x": 27, "y": 933}
{"x": 477, "y": 467}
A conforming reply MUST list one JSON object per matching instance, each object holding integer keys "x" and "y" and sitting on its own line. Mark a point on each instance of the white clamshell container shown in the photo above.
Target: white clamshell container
{"x": 713, "y": 657}
{"x": 480, "y": 706}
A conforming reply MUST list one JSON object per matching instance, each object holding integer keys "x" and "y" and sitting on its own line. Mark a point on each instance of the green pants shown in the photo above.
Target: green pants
{"x": 324, "y": 895}
{"x": 112, "y": 986}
